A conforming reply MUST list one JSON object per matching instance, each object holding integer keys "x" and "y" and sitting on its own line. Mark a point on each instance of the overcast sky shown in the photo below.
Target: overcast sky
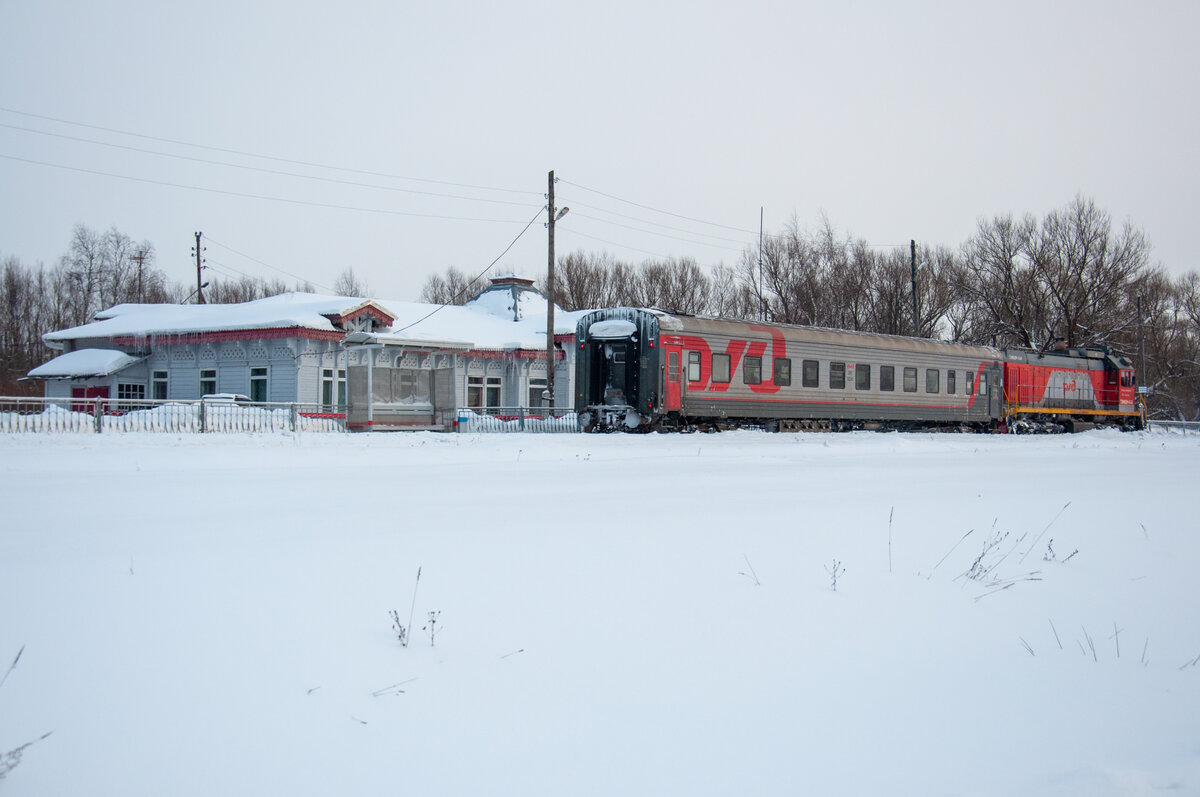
{"x": 669, "y": 126}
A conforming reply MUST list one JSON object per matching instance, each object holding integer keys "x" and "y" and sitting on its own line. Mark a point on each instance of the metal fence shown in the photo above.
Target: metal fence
{"x": 517, "y": 419}
{"x": 99, "y": 415}
{"x": 1180, "y": 426}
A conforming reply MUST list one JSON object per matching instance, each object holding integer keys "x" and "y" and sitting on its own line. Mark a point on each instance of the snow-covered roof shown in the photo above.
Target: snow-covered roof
{"x": 304, "y": 310}
{"x": 84, "y": 363}
{"x": 486, "y": 322}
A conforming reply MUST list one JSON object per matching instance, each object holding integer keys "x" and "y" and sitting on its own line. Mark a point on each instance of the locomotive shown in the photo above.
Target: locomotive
{"x": 641, "y": 369}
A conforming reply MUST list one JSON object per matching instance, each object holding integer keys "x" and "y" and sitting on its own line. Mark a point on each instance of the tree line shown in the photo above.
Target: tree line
{"x": 1068, "y": 278}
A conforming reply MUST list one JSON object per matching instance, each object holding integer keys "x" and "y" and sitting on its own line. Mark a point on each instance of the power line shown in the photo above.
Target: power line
{"x": 261, "y": 169}
{"x": 480, "y": 274}
{"x": 244, "y": 195}
{"x": 657, "y": 210}
{"x": 212, "y": 240}
{"x": 575, "y": 204}
{"x": 266, "y": 157}
{"x": 660, "y": 234}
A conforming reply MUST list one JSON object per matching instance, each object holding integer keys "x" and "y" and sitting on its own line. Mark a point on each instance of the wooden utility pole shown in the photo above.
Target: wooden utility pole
{"x": 139, "y": 258}
{"x": 916, "y": 318}
{"x": 550, "y": 290}
{"x": 553, "y": 216}
{"x": 199, "y": 268}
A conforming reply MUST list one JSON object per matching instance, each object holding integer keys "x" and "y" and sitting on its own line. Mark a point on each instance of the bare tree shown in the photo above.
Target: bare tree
{"x": 452, "y": 287}
{"x": 347, "y": 284}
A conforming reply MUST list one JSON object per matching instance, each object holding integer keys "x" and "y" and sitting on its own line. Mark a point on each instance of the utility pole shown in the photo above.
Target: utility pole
{"x": 553, "y": 217}
{"x": 1141, "y": 380}
{"x": 199, "y": 267}
{"x": 139, "y": 258}
{"x": 761, "y": 292}
{"x": 916, "y": 318}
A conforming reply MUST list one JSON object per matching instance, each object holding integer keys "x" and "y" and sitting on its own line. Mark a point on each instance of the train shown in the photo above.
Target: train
{"x": 645, "y": 369}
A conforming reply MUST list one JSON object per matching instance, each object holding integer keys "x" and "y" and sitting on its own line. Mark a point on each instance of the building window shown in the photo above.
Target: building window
{"x": 536, "y": 388}
{"x": 932, "y": 380}
{"x": 327, "y": 387}
{"x": 159, "y": 379}
{"x": 837, "y": 376}
{"x": 208, "y": 381}
{"x": 493, "y": 391}
{"x": 127, "y": 391}
{"x": 811, "y": 376}
{"x": 781, "y": 371}
{"x": 693, "y": 366}
{"x": 910, "y": 380}
{"x": 862, "y": 376}
{"x": 475, "y": 391}
{"x": 752, "y": 371}
{"x": 887, "y": 377}
{"x": 341, "y": 387}
{"x": 720, "y": 364}
{"x": 258, "y": 385}
{"x": 951, "y": 379}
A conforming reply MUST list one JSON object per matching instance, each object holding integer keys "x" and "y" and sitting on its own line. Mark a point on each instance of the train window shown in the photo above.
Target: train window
{"x": 910, "y": 380}
{"x": 932, "y": 380}
{"x": 862, "y": 376}
{"x": 970, "y": 382}
{"x": 752, "y": 371}
{"x": 983, "y": 384}
{"x": 693, "y": 366}
{"x": 837, "y": 376}
{"x": 720, "y": 368}
{"x": 950, "y": 380}
{"x": 811, "y": 376}
{"x": 1127, "y": 379}
{"x": 782, "y": 371}
{"x": 887, "y": 377}
{"x": 673, "y": 367}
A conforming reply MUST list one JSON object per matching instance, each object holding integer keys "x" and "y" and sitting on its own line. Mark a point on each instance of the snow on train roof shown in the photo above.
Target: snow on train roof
{"x": 485, "y": 323}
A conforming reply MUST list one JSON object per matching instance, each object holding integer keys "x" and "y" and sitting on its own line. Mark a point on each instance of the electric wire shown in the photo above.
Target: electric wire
{"x": 477, "y": 276}
{"x": 266, "y": 157}
{"x": 657, "y": 210}
{"x": 211, "y": 240}
{"x": 575, "y": 203}
{"x": 263, "y": 197}
{"x": 262, "y": 170}
{"x": 660, "y": 234}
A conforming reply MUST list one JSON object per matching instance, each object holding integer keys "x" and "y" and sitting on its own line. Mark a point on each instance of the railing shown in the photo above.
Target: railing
{"x": 99, "y": 415}
{"x": 1177, "y": 426}
{"x": 517, "y": 419}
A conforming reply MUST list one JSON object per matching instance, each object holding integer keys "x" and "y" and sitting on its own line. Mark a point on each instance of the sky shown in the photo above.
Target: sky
{"x": 400, "y": 139}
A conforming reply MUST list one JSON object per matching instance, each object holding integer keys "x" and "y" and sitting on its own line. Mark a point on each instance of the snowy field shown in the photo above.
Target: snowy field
{"x": 619, "y": 615}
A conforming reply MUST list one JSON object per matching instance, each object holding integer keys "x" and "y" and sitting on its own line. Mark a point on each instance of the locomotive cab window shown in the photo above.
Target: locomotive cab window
{"x": 720, "y": 368}
{"x": 837, "y": 376}
{"x": 862, "y": 376}
{"x": 887, "y": 377}
{"x": 1127, "y": 379}
{"x": 693, "y": 366}
{"x": 910, "y": 380}
{"x": 932, "y": 380}
{"x": 752, "y": 371}
{"x": 811, "y": 376}
{"x": 781, "y": 371}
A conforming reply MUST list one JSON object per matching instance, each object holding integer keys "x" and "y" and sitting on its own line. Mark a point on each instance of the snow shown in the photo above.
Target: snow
{"x": 208, "y": 614}
{"x": 611, "y": 329}
{"x": 487, "y": 323}
{"x": 84, "y": 363}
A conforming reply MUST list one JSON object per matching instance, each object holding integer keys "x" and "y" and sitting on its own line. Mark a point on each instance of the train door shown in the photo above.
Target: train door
{"x": 672, "y": 396}
{"x": 616, "y": 371}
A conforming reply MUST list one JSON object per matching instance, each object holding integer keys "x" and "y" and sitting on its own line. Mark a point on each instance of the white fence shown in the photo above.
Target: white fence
{"x": 556, "y": 420}
{"x": 99, "y": 415}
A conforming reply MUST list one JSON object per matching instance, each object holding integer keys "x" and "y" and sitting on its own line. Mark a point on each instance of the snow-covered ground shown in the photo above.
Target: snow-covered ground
{"x": 619, "y": 615}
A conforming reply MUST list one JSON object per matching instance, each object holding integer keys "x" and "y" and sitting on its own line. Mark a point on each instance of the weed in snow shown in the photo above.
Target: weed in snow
{"x": 834, "y": 571}
{"x": 10, "y": 759}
